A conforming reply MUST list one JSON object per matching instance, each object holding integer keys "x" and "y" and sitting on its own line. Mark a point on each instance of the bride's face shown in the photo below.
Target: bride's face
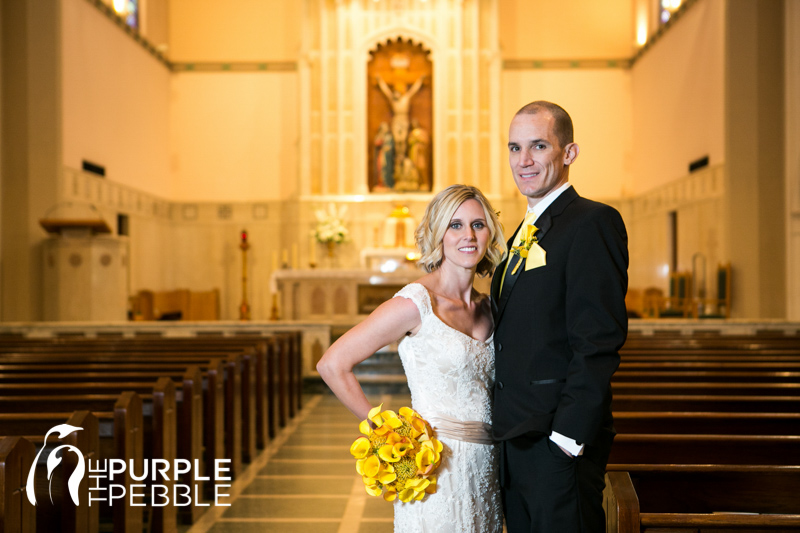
{"x": 467, "y": 236}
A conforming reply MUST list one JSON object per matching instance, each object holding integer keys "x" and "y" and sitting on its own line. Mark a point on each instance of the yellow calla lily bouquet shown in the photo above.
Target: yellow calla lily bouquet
{"x": 398, "y": 457}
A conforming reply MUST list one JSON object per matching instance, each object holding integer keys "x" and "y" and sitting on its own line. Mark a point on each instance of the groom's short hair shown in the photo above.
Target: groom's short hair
{"x": 563, "y": 129}
{"x": 436, "y": 220}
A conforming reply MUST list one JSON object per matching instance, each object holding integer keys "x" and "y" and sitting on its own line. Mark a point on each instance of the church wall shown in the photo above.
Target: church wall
{"x": 243, "y": 30}
{"x": 599, "y": 103}
{"x": 234, "y": 136}
{"x": 678, "y": 98}
{"x": 678, "y": 117}
{"x": 540, "y": 29}
{"x": 154, "y": 22}
{"x": 115, "y": 101}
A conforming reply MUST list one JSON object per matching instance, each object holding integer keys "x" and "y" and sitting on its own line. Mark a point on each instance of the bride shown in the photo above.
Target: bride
{"x": 448, "y": 356}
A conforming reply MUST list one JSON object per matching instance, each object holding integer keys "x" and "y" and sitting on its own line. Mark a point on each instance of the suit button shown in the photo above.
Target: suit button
{"x": 499, "y": 347}
{"x": 500, "y": 385}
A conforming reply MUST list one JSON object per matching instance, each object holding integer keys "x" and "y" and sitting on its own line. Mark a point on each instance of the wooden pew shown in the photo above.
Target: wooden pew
{"x": 702, "y": 498}
{"x": 203, "y": 420}
{"x": 759, "y": 376}
{"x": 707, "y": 388}
{"x": 160, "y": 424}
{"x": 631, "y": 448}
{"x": 124, "y": 410}
{"x": 705, "y": 403}
{"x": 224, "y": 377}
{"x": 286, "y": 349}
{"x": 707, "y": 423}
{"x": 63, "y": 515}
{"x": 16, "y": 458}
{"x": 224, "y": 370}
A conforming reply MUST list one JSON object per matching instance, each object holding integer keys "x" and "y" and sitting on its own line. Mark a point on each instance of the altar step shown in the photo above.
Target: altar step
{"x": 382, "y": 373}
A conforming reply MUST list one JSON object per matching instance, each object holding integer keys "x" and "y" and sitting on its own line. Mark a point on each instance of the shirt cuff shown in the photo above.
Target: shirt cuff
{"x": 567, "y": 443}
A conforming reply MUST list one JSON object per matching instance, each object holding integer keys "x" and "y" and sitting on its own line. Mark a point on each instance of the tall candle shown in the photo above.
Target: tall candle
{"x": 294, "y": 256}
{"x": 284, "y": 258}
{"x": 274, "y": 261}
{"x": 312, "y": 251}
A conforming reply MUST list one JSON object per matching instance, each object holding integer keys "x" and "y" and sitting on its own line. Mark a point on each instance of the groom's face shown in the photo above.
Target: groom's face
{"x": 538, "y": 161}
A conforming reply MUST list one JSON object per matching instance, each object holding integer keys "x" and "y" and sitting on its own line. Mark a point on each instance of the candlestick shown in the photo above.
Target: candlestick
{"x": 312, "y": 252}
{"x": 285, "y": 258}
{"x": 244, "y": 307}
{"x": 294, "y": 256}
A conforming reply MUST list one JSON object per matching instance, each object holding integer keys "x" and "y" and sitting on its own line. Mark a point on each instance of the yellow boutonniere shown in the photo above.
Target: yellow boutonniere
{"x": 528, "y": 249}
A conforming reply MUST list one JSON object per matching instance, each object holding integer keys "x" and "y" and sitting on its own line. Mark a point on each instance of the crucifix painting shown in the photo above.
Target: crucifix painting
{"x": 400, "y": 117}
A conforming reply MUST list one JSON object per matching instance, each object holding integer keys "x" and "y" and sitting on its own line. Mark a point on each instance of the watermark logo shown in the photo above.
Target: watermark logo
{"x": 104, "y": 473}
{"x": 54, "y": 460}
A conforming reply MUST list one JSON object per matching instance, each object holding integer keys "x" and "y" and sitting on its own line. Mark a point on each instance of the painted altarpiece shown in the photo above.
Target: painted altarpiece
{"x": 399, "y": 117}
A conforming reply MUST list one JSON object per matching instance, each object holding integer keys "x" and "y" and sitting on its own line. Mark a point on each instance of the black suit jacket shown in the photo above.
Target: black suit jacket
{"x": 559, "y": 327}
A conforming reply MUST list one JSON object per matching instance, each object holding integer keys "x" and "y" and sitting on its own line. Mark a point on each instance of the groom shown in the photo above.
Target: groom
{"x": 560, "y": 321}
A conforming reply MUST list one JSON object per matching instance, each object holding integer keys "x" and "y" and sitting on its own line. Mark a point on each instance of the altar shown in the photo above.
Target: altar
{"x": 345, "y": 296}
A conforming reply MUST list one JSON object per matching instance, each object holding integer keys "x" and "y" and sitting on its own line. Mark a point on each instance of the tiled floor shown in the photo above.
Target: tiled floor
{"x": 305, "y": 481}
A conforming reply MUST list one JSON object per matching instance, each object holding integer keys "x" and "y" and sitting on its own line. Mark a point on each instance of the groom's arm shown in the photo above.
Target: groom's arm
{"x": 596, "y": 320}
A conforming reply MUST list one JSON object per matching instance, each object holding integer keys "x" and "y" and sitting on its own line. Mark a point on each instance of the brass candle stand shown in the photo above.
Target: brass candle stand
{"x": 244, "y": 307}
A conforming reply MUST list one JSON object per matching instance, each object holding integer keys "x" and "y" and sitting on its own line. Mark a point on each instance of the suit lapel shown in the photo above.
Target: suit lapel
{"x": 544, "y": 223}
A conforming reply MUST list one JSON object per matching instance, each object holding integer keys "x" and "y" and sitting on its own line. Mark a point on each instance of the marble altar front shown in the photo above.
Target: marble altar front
{"x": 339, "y": 295}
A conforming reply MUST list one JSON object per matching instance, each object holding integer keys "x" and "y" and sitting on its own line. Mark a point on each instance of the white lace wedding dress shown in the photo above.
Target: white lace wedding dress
{"x": 451, "y": 376}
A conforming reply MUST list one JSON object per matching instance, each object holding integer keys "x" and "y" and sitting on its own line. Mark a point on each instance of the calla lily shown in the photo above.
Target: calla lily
{"x": 397, "y": 455}
{"x": 374, "y": 415}
{"x": 371, "y": 466}
{"x": 360, "y": 448}
{"x": 387, "y": 475}
{"x": 406, "y": 495}
{"x": 431, "y": 488}
{"x": 425, "y": 460}
{"x": 373, "y": 490}
{"x": 386, "y": 452}
{"x": 401, "y": 449}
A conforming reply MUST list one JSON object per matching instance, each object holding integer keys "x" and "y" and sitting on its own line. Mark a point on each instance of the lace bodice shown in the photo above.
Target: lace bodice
{"x": 451, "y": 374}
{"x": 448, "y": 372}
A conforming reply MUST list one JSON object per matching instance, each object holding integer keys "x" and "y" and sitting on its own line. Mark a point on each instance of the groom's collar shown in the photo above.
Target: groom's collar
{"x": 545, "y": 202}
{"x": 553, "y": 210}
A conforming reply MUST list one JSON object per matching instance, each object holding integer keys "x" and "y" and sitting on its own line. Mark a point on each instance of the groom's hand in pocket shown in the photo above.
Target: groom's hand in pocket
{"x": 567, "y": 451}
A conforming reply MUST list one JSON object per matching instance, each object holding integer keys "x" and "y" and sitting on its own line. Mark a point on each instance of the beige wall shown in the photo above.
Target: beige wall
{"x": 234, "y": 136}
{"x": 240, "y": 30}
{"x": 154, "y": 22}
{"x": 678, "y": 96}
{"x": 601, "y": 117}
{"x": 543, "y": 29}
{"x": 115, "y": 101}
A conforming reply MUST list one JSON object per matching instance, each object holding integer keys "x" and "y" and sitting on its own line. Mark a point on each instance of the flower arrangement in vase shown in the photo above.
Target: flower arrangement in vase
{"x": 330, "y": 229}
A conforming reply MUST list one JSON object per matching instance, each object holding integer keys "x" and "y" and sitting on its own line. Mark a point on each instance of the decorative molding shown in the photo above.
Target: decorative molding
{"x": 235, "y": 66}
{"x": 133, "y": 33}
{"x": 82, "y": 187}
{"x": 663, "y": 29}
{"x": 566, "y": 64}
{"x": 705, "y": 184}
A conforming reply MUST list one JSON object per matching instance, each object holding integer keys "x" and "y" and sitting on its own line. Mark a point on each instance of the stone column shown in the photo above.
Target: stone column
{"x": 30, "y": 148}
{"x": 754, "y": 157}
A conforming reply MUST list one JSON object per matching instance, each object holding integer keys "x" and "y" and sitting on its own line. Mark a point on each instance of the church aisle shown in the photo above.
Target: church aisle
{"x": 305, "y": 480}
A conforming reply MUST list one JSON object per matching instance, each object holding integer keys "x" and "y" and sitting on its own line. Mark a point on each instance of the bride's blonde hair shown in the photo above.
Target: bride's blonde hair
{"x": 436, "y": 220}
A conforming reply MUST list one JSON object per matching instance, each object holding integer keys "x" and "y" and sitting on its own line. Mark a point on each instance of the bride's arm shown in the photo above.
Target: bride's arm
{"x": 390, "y": 321}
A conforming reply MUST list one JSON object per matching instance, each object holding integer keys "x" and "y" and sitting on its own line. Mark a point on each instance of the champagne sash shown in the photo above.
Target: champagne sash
{"x": 474, "y": 432}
